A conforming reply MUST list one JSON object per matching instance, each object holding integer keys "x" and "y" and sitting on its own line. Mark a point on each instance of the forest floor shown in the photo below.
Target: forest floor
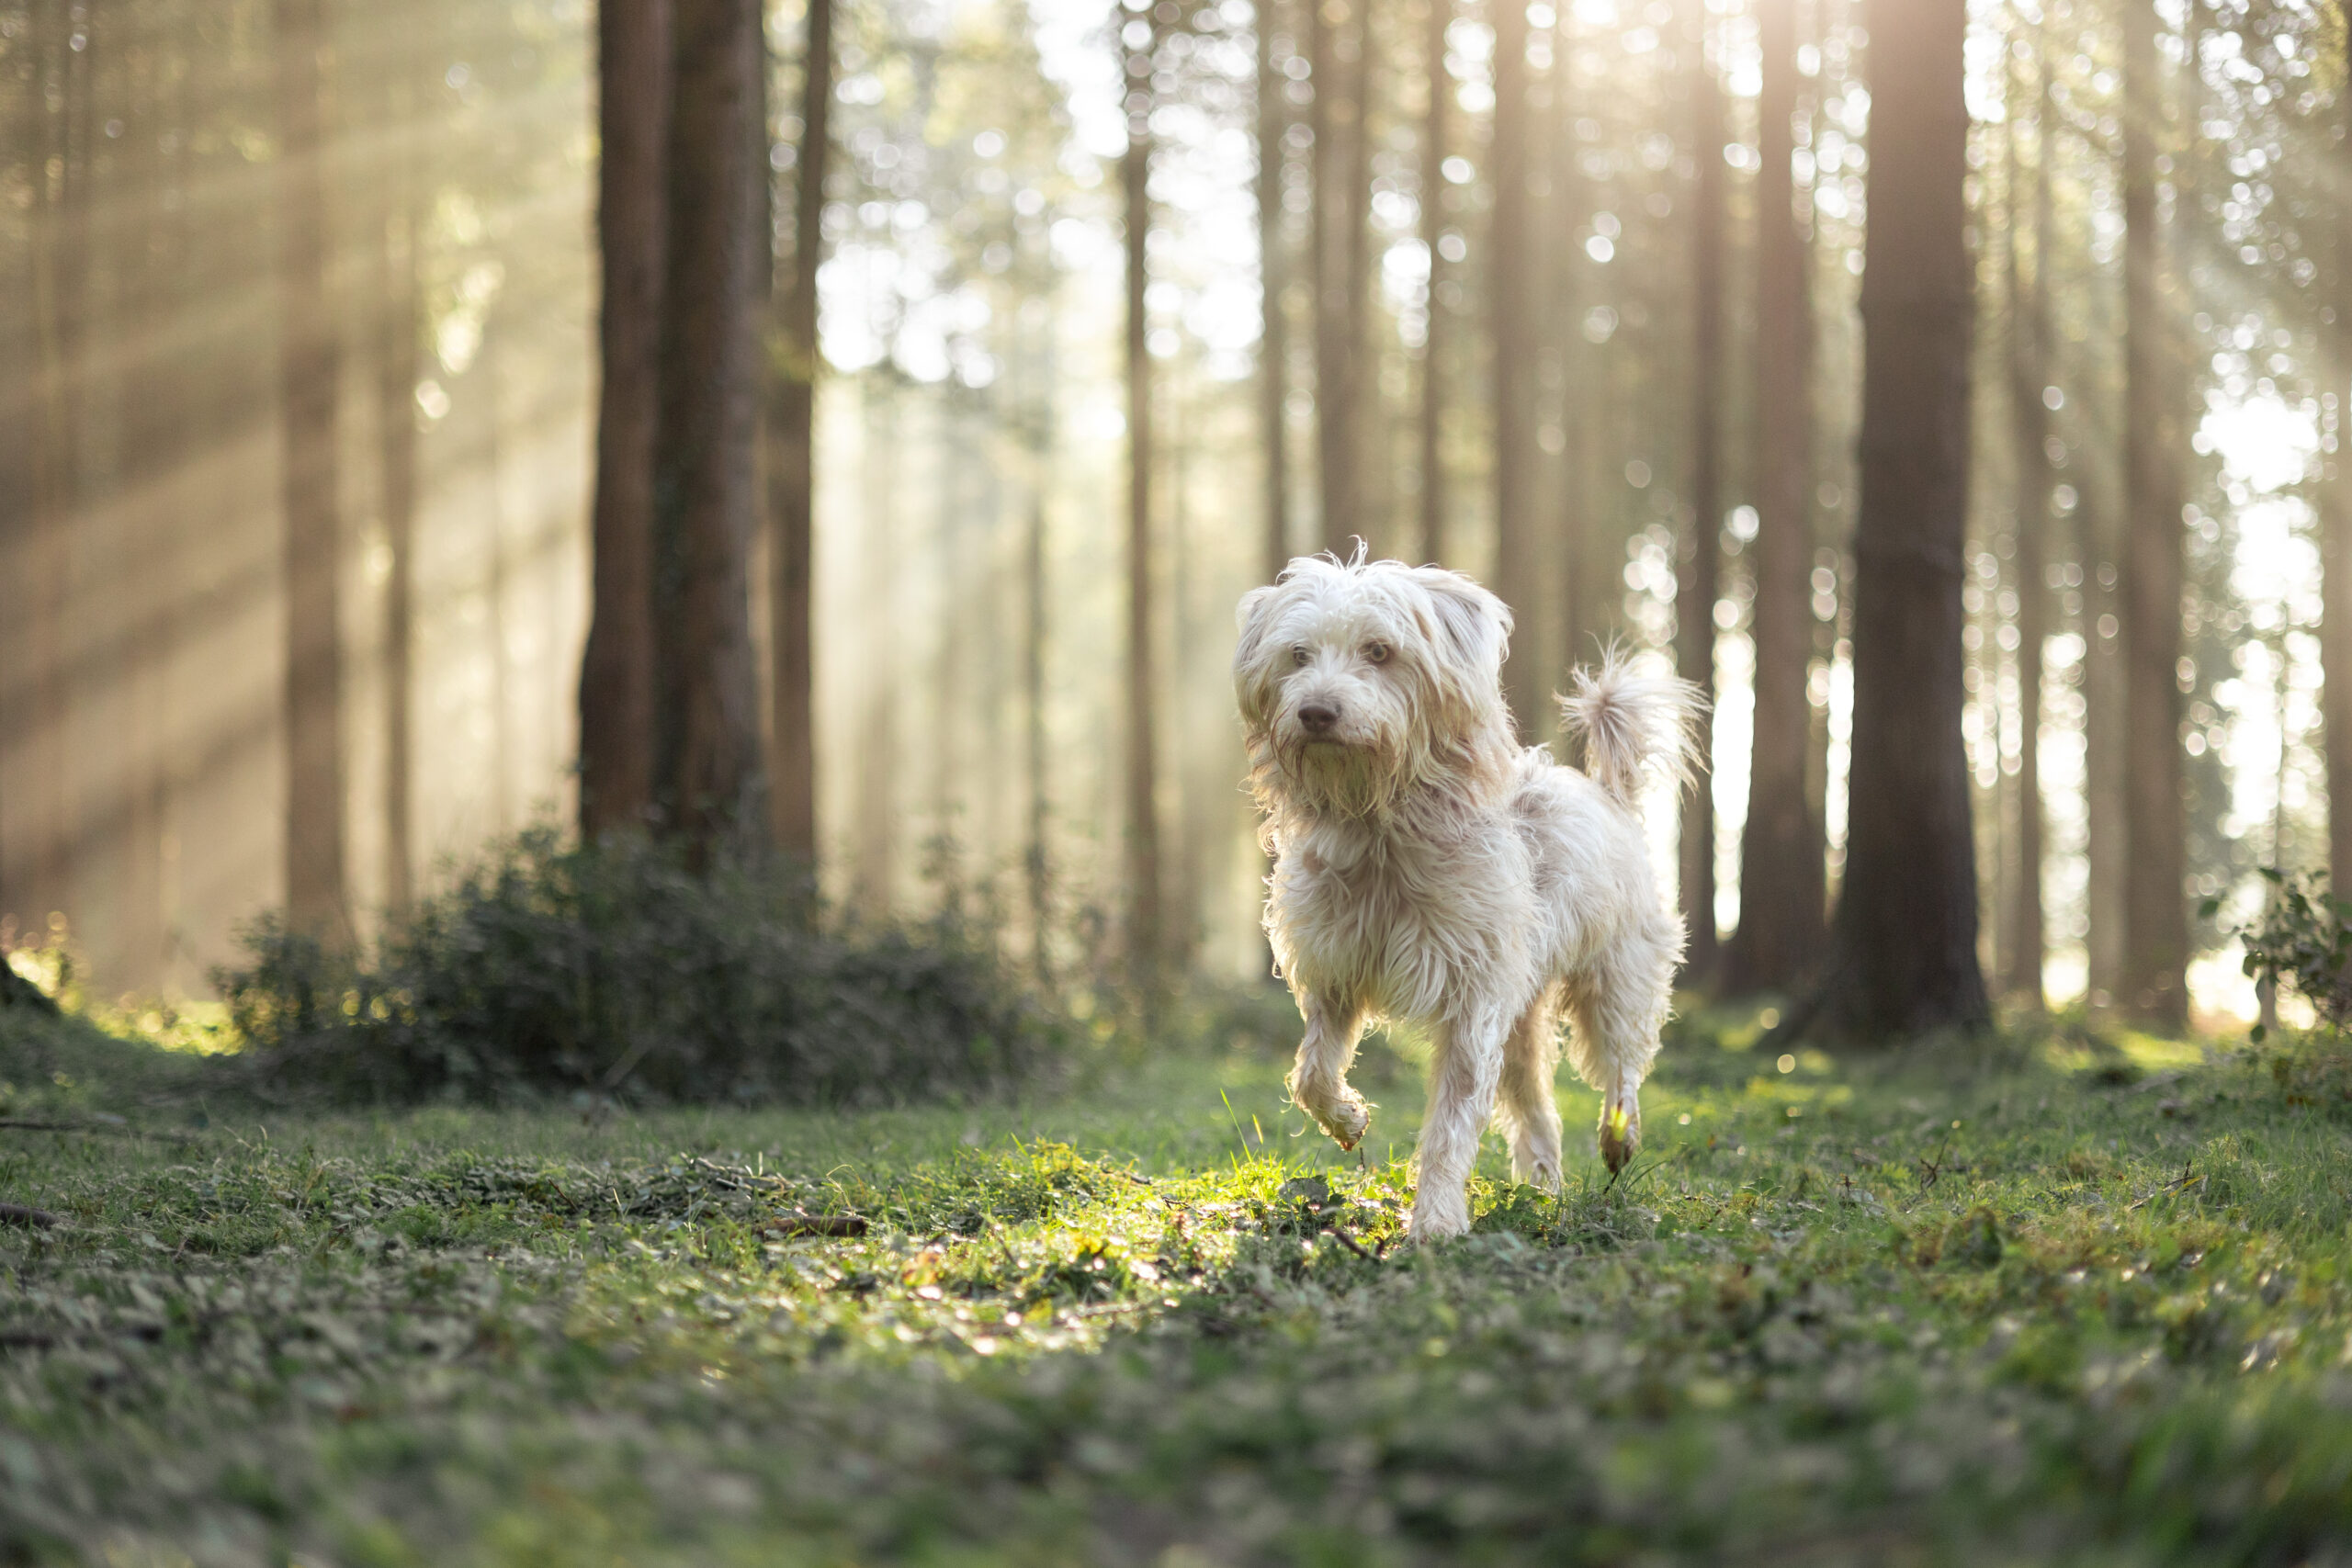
{"x": 2017, "y": 1303}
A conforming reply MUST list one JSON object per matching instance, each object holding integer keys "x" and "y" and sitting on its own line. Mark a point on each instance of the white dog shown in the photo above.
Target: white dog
{"x": 1428, "y": 868}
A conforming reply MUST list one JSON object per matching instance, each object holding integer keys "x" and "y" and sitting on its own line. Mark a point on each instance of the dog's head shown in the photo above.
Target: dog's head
{"x": 1357, "y": 681}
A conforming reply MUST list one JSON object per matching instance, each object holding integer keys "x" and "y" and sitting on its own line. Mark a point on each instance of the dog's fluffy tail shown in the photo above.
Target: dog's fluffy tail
{"x": 1629, "y": 717}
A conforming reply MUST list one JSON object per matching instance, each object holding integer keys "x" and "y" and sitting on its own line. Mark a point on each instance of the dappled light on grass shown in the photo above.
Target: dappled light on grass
{"x": 1987, "y": 1307}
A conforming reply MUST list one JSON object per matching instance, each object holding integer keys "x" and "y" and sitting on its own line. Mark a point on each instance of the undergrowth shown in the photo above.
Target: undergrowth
{"x": 614, "y": 970}
{"x": 2027, "y": 1307}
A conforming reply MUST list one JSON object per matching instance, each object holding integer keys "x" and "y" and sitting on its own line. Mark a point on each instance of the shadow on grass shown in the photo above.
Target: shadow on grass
{"x": 1850, "y": 1310}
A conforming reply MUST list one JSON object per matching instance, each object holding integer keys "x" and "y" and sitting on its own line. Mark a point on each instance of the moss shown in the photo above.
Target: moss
{"x": 1129, "y": 1324}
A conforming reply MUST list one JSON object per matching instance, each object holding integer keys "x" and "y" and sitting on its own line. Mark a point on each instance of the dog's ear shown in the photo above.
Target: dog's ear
{"x": 1250, "y": 687}
{"x": 1475, "y": 624}
{"x": 1252, "y": 618}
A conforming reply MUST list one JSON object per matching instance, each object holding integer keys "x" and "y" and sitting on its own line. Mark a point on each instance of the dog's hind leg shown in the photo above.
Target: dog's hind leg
{"x": 1525, "y": 1110}
{"x": 1619, "y": 1005}
{"x": 1318, "y": 1081}
{"x": 1463, "y": 1075}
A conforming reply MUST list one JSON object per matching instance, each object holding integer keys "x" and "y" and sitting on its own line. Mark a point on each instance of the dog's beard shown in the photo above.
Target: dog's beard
{"x": 1350, "y": 779}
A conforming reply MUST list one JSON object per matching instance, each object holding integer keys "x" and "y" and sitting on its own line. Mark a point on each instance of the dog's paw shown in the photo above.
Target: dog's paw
{"x": 1543, "y": 1175}
{"x": 1431, "y": 1223}
{"x": 1347, "y": 1120}
{"x": 1621, "y": 1135}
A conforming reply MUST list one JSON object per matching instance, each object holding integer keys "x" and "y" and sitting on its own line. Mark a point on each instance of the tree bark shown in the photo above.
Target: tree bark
{"x": 154, "y": 397}
{"x": 2155, "y": 948}
{"x": 2335, "y": 523}
{"x": 1433, "y": 337}
{"x": 1363, "y": 414}
{"x": 712, "y": 783}
{"x": 61, "y": 274}
{"x": 309, "y": 377}
{"x": 1517, "y": 571}
{"x": 1339, "y": 235}
{"x": 792, "y": 474}
{"x": 396, "y": 364}
{"x": 617, "y": 738}
{"x": 1578, "y": 542}
{"x": 1038, "y": 854}
{"x": 1903, "y": 946}
{"x": 1274, "y": 277}
{"x": 23, "y": 101}
{"x": 1144, "y": 896}
{"x": 2030, "y": 330}
{"x": 1695, "y": 595}
{"x": 1781, "y": 877}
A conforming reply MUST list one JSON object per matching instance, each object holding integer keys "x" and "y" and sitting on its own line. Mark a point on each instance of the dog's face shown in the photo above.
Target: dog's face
{"x": 1354, "y": 681}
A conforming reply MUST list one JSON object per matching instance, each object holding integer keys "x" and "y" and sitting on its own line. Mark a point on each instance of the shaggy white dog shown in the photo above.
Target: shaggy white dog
{"x": 1428, "y": 868}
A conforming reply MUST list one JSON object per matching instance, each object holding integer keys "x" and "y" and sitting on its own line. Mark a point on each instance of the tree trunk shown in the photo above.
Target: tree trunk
{"x": 154, "y": 397}
{"x": 1273, "y": 276}
{"x": 1434, "y": 336}
{"x": 1144, "y": 904}
{"x": 874, "y": 870}
{"x": 60, "y": 284}
{"x": 2105, "y": 847}
{"x": 505, "y": 790}
{"x": 23, "y": 101}
{"x": 307, "y": 369}
{"x": 1781, "y": 874}
{"x": 2336, "y": 525}
{"x": 2030, "y": 330}
{"x": 1359, "y": 417}
{"x": 2155, "y": 947}
{"x": 791, "y": 473}
{"x": 1339, "y": 239}
{"x": 1695, "y": 595}
{"x": 1038, "y": 858}
{"x": 1517, "y": 572}
{"x": 712, "y": 783}
{"x": 617, "y": 738}
{"x": 1904, "y": 947}
{"x": 1586, "y": 587}
{"x": 396, "y": 364}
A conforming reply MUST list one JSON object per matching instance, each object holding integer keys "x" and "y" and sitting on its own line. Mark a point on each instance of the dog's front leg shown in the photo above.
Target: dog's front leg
{"x": 1462, "y": 1098}
{"x": 1318, "y": 1083}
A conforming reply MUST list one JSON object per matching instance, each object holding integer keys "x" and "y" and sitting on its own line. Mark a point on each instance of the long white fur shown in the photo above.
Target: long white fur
{"x": 1428, "y": 868}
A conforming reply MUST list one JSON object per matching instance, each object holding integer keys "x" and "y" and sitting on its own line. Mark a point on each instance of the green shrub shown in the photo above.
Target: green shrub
{"x": 555, "y": 968}
{"x": 2304, "y": 941}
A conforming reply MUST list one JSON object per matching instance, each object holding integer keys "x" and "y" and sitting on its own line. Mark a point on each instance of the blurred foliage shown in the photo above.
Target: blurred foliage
{"x": 613, "y": 970}
{"x": 2302, "y": 940}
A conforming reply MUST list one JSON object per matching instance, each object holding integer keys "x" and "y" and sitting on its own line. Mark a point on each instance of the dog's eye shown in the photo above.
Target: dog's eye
{"x": 1376, "y": 651}
{"x": 1298, "y": 655}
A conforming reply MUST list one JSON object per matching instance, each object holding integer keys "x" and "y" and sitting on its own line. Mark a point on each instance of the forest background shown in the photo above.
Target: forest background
{"x": 299, "y": 391}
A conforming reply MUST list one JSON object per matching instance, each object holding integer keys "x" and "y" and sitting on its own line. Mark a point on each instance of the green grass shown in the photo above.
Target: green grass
{"x": 2012, "y": 1306}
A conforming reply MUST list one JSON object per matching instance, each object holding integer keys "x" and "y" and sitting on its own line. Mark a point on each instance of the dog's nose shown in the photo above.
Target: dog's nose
{"x": 1317, "y": 719}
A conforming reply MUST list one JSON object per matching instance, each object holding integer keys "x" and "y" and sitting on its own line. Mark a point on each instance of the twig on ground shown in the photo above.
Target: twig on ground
{"x": 2182, "y": 1184}
{"x": 1344, "y": 1240}
{"x": 816, "y": 1224}
{"x": 1107, "y": 1309}
{"x": 1932, "y": 1168}
{"x": 1004, "y": 1247}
